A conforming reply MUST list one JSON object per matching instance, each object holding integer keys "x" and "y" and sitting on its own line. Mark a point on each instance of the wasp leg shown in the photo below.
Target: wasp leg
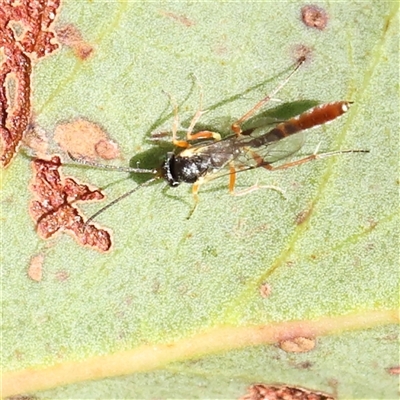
{"x": 256, "y": 187}
{"x": 197, "y": 116}
{"x": 204, "y": 135}
{"x": 237, "y": 126}
{"x": 195, "y": 191}
{"x": 175, "y": 124}
{"x": 232, "y": 179}
{"x": 181, "y": 143}
{"x": 311, "y": 157}
{"x": 189, "y": 135}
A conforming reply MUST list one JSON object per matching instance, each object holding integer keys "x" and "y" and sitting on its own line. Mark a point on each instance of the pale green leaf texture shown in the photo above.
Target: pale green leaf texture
{"x": 175, "y": 309}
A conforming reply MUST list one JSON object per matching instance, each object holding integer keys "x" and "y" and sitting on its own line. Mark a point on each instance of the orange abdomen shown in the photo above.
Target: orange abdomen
{"x": 318, "y": 115}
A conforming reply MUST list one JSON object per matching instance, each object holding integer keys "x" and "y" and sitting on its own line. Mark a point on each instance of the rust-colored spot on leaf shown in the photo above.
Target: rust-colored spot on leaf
{"x": 314, "y": 17}
{"x": 303, "y": 216}
{"x": 297, "y": 345}
{"x": 70, "y": 36}
{"x": 265, "y": 290}
{"x": 35, "y": 270}
{"x": 182, "y": 19}
{"x": 82, "y": 138}
{"x": 36, "y": 139}
{"x": 283, "y": 392}
{"x": 303, "y": 365}
{"x": 61, "y": 276}
{"x": 24, "y": 35}
{"x": 107, "y": 149}
{"x": 53, "y": 209}
{"x": 394, "y": 370}
{"x": 302, "y": 51}
{"x": 22, "y": 397}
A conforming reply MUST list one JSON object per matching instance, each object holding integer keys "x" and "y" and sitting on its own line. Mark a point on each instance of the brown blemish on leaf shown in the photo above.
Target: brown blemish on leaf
{"x": 221, "y": 48}
{"x": 314, "y": 17}
{"x": 107, "y": 149}
{"x": 394, "y": 370}
{"x": 304, "y": 365}
{"x": 182, "y": 19}
{"x": 302, "y": 51}
{"x": 297, "y": 345}
{"x": 61, "y": 276}
{"x": 290, "y": 263}
{"x": 11, "y": 91}
{"x": 283, "y": 392}
{"x": 243, "y": 230}
{"x": 393, "y": 337}
{"x": 265, "y": 290}
{"x": 14, "y": 121}
{"x": 53, "y": 209}
{"x": 372, "y": 223}
{"x": 24, "y": 36}
{"x": 19, "y": 355}
{"x": 22, "y": 397}
{"x": 36, "y": 139}
{"x": 82, "y": 138}
{"x": 302, "y": 216}
{"x": 70, "y": 36}
{"x": 35, "y": 270}
{"x": 156, "y": 286}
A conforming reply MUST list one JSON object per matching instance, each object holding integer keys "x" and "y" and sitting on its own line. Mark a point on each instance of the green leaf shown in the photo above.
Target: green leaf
{"x": 176, "y": 305}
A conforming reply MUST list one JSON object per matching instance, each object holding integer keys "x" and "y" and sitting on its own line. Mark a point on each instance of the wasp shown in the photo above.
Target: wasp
{"x": 204, "y": 156}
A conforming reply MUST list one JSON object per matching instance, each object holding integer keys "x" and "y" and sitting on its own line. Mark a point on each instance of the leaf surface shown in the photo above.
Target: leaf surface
{"x": 174, "y": 292}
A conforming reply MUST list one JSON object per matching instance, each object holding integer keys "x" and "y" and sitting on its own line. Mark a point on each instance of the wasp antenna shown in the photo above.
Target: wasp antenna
{"x": 111, "y": 167}
{"x": 118, "y": 199}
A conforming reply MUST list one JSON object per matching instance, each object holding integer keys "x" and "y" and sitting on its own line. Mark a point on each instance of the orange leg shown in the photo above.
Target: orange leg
{"x": 204, "y": 135}
{"x": 232, "y": 178}
{"x": 237, "y": 126}
{"x": 195, "y": 191}
{"x": 311, "y": 157}
{"x": 197, "y": 116}
{"x": 189, "y": 135}
{"x": 269, "y": 167}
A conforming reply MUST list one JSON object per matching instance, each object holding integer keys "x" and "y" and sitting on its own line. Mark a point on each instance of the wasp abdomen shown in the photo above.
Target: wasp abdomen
{"x": 316, "y": 116}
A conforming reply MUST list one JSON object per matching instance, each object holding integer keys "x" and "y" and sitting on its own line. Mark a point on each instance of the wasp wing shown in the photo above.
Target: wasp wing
{"x": 255, "y": 156}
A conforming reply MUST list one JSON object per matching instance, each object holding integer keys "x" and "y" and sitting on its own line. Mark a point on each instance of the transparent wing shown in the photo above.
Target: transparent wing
{"x": 282, "y": 148}
{"x": 252, "y": 157}
{"x": 241, "y": 154}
